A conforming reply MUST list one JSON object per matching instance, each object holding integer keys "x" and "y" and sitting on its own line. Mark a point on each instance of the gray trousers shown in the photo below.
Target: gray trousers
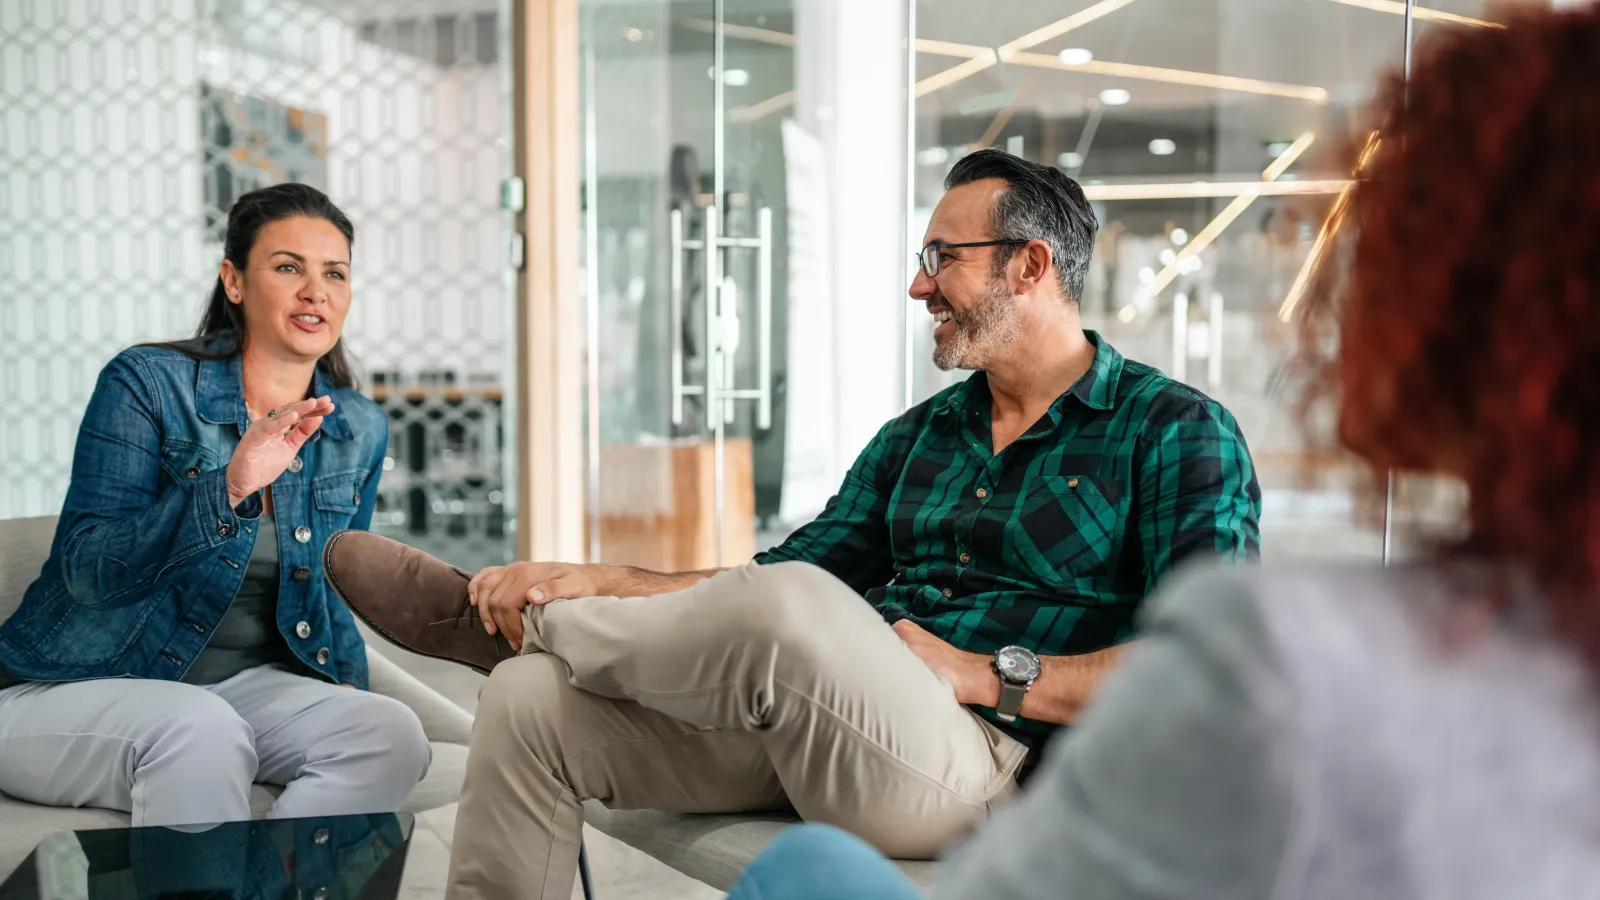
{"x": 181, "y": 754}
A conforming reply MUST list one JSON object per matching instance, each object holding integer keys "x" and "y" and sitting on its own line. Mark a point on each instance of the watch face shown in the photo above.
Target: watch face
{"x": 1016, "y": 664}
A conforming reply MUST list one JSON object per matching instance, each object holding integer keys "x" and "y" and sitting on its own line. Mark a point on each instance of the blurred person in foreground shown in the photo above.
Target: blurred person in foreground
{"x": 1430, "y": 730}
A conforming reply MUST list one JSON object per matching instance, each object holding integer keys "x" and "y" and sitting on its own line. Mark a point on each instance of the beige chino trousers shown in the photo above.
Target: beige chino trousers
{"x": 763, "y": 688}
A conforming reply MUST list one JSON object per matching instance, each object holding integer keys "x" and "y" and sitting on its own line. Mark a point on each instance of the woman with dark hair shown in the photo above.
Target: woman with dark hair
{"x": 1430, "y": 730}
{"x": 181, "y": 643}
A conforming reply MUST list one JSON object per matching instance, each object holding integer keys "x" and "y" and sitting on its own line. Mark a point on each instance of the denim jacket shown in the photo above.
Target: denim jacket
{"x": 148, "y": 555}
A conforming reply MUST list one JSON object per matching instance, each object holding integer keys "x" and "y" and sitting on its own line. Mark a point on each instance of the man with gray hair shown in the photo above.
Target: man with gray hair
{"x": 895, "y": 664}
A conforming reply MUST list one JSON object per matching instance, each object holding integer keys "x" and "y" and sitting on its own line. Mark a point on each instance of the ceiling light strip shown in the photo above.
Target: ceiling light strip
{"x": 1303, "y": 277}
{"x": 765, "y": 108}
{"x": 746, "y": 32}
{"x": 1026, "y": 42}
{"x": 1421, "y": 14}
{"x": 1287, "y": 157}
{"x": 1176, "y": 76}
{"x": 1193, "y": 190}
{"x": 1330, "y": 227}
{"x": 1229, "y": 213}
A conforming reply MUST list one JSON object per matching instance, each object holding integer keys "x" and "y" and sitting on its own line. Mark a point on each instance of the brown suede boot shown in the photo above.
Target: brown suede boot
{"x": 413, "y": 600}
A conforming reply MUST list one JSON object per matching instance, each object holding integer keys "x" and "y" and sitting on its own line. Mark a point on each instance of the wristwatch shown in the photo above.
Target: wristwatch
{"x": 1018, "y": 668}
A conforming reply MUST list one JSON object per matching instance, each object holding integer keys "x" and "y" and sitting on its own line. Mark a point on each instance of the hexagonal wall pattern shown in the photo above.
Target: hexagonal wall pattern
{"x": 127, "y": 128}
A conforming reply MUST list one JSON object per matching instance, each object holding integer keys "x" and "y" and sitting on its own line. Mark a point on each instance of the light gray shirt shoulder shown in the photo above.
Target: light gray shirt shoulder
{"x": 1313, "y": 732}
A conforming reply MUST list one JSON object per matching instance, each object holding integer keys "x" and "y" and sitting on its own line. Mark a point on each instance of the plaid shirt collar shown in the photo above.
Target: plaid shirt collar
{"x": 1097, "y": 389}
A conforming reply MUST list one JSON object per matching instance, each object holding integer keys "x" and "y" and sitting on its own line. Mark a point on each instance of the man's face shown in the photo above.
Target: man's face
{"x": 974, "y": 313}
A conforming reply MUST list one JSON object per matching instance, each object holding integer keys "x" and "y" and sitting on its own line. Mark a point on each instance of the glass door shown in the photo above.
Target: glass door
{"x": 682, "y": 306}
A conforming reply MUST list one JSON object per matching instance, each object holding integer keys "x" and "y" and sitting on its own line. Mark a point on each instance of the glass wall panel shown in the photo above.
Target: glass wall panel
{"x": 743, "y": 191}
{"x": 127, "y": 129}
{"x": 1200, "y": 130}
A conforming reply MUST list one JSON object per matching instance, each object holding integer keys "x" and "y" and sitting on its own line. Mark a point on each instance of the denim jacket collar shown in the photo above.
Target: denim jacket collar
{"x": 219, "y": 396}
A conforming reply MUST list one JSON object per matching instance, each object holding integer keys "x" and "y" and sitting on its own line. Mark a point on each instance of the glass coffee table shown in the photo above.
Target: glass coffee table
{"x": 333, "y": 858}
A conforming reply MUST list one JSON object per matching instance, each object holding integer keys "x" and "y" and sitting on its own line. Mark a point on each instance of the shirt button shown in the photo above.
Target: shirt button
{"x": 303, "y": 534}
{"x": 356, "y": 498}
{"x": 1072, "y": 482}
{"x": 295, "y": 464}
{"x": 320, "y": 837}
{"x": 948, "y": 593}
{"x": 301, "y": 573}
{"x": 966, "y": 557}
{"x": 982, "y": 493}
{"x": 303, "y": 630}
{"x": 224, "y": 529}
{"x": 322, "y": 656}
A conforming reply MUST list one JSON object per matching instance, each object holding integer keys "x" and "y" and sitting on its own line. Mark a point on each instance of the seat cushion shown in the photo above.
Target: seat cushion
{"x": 24, "y": 825}
{"x": 711, "y": 849}
{"x": 24, "y": 547}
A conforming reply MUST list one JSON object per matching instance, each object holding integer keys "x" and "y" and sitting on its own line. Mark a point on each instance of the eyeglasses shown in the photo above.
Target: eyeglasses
{"x": 928, "y": 259}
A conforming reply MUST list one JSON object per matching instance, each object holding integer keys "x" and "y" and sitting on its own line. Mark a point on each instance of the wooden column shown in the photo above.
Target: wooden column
{"x": 550, "y": 460}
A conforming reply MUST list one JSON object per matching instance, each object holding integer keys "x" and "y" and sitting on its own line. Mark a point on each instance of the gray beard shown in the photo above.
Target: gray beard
{"x": 981, "y": 333}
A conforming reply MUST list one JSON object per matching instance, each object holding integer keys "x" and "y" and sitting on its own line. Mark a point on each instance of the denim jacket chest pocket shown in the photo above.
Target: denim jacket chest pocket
{"x": 1069, "y": 527}
{"x": 184, "y": 460}
{"x": 335, "y": 499}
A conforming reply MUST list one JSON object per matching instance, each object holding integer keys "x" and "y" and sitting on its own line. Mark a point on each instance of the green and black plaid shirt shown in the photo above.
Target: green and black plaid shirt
{"x": 1053, "y": 543}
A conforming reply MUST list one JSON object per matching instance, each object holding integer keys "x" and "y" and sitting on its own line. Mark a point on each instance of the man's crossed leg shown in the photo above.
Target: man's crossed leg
{"x": 765, "y": 687}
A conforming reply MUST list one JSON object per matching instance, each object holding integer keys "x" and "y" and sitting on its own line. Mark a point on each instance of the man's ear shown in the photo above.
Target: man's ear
{"x": 1035, "y": 258}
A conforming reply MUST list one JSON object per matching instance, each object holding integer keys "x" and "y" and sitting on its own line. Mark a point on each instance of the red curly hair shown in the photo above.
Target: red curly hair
{"x": 1459, "y": 326}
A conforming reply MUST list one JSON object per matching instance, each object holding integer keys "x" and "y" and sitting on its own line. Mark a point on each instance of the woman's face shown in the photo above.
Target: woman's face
{"x": 295, "y": 289}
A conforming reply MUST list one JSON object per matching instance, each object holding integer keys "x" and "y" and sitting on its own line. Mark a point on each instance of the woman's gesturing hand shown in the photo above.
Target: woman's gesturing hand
{"x": 271, "y": 443}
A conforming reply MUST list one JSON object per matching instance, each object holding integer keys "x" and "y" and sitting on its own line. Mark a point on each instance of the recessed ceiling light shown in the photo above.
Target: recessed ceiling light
{"x": 1163, "y": 147}
{"x": 1179, "y": 236}
{"x": 730, "y": 77}
{"x": 1075, "y": 56}
{"x": 1147, "y": 275}
{"x": 1167, "y": 256}
{"x": 1115, "y": 97}
{"x": 634, "y": 35}
{"x": 1070, "y": 160}
{"x": 933, "y": 156}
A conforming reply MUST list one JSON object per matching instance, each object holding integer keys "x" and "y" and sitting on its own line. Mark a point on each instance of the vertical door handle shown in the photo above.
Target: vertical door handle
{"x": 764, "y": 317}
{"x": 675, "y": 324}
{"x": 711, "y": 244}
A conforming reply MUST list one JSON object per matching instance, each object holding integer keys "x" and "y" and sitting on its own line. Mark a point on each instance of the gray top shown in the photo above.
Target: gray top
{"x": 1316, "y": 733}
{"x": 247, "y": 636}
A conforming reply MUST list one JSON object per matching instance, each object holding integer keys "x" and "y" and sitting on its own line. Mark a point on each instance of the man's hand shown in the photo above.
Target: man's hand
{"x": 500, "y": 592}
{"x": 971, "y": 674}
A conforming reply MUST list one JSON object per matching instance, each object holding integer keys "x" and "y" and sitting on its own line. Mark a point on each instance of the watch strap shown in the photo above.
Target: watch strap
{"x": 1010, "y": 704}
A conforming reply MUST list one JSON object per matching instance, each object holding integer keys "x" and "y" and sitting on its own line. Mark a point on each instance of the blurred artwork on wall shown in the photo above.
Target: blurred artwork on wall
{"x": 249, "y": 142}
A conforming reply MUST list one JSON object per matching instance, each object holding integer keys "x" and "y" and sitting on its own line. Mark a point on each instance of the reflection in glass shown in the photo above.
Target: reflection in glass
{"x": 1207, "y": 136}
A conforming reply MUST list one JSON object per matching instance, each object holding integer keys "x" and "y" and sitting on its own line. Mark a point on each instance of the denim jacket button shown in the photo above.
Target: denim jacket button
{"x": 191, "y": 472}
{"x": 224, "y": 529}
{"x": 322, "y": 656}
{"x": 303, "y": 534}
{"x": 295, "y": 464}
{"x": 320, "y": 837}
{"x": 301, "y": 573}
{"x": 303, "y": 630}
